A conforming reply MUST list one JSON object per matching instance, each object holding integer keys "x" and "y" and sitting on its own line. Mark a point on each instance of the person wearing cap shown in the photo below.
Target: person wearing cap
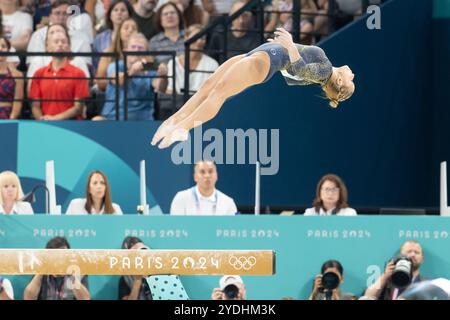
{"x": 231, "y": 287}
{"x": 383, "y": 289}
{"x": 203, "y": 199}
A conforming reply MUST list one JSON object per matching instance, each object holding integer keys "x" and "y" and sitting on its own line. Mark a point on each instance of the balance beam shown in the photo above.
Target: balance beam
{"x": 136, "y": 262}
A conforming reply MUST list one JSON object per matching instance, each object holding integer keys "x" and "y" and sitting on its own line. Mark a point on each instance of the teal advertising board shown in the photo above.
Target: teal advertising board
{"x": 441, "y": 9}
{"x": 302, "y": 244}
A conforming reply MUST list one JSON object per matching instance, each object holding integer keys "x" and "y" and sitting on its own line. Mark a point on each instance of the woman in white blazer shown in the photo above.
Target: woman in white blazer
{"x": 10, "y": 195}
{"x": 98, "y": 197}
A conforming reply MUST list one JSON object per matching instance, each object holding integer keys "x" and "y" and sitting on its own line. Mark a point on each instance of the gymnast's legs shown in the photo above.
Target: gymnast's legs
{"x": 197, "y": 98}
{"x": 235, "y": 75}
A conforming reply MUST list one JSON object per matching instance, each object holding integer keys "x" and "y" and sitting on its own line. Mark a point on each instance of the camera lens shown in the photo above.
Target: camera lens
{"x": 401, "y": 277}
{"x": 231, "y": 291}
{"x": 330, "y": 280}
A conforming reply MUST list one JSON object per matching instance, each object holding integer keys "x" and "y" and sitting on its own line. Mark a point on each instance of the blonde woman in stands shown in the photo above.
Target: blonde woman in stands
{"x": 10, "y": 195}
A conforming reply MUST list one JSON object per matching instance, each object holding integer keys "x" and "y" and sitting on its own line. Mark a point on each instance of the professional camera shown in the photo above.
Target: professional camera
{"x": 402, "y": 275}
{"x": 330, "y": 281}
{"x": 228, "y": 285}
{"x": 231, "y": 291}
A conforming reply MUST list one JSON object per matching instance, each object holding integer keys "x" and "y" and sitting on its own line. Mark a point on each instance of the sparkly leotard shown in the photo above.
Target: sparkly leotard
{"x": 313, "y": 67}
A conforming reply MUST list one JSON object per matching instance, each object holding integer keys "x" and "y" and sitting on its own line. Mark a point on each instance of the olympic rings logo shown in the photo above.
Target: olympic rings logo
{"x": 242, "y": 263}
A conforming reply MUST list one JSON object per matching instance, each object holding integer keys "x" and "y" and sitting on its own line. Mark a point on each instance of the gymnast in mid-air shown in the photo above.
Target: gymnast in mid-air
{"x": 299, "y": 64}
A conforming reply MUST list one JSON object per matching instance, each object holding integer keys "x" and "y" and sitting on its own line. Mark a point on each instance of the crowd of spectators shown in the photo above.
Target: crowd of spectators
{"x": 99, "y": 32}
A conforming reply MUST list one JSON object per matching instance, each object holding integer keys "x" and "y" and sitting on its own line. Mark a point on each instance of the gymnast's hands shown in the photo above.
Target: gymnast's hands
{"x": 284, "y": 38}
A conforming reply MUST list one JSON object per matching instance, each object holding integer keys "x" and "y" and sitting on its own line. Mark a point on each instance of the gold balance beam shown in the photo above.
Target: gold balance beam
{"x": 136, "y": 262}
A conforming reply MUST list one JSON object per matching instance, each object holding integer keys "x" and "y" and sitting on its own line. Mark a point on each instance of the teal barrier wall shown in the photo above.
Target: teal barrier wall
{"x": 441, "y": 9}
{"x": 301, "y": 244}
{"x": 77, "y": 148}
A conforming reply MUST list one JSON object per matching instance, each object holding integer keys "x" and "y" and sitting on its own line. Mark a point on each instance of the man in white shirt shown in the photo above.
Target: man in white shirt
{"x": 79, "y": 42}
{"x": 17, "y": 25}
{"x": 203, "y": 199}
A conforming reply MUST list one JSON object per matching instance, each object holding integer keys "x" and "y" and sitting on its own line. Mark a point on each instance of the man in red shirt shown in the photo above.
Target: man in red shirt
{"x": 60, "y": 99}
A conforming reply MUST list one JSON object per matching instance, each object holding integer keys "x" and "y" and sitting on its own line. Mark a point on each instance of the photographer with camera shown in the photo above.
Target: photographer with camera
{"x": 134, "y": 287}
{"x": 6, "y": 289}
{"x": 231, "y": 288}
{"x": 326, "y": 284}
{"x": 57, "y": 287}
{"x": 137, "y": 287}
{"x": 401, "y": 271}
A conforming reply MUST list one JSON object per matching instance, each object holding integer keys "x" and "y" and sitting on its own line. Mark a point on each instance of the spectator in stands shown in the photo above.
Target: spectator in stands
{"x": 238, "y": 39}
{"x": 284, "y": 20}
{"x": 11, "y": 88}
{"x": 230, "y": 288}
{"x": 98, "y": 197}
{"x": 118, "y": 11}
{"x": 17, "y": 25}
{"x": 216, "y": 8}
{"x": 50, "y": 287}
{"x": 192, "y": 13}
{"x": 79, "y": 42}
{"x": 79, "y": 21}
{"x": 6, "y": 289}
{"x": 127, "y": 27}
{"x": 12, "y": 60}
{"x": 27, "y": 6}
{"x": 170, "y": 33}
{"x": 203, "y": 198}
{"x": 144, "y": 14}
{"x": 38, "y": 62}
{"x": 11, "y": 195}
{"x": 331, "y": 198}
{"x": 134, "y": 287}
{"x": 41, "y": 11}
{"x": 333, "y": 270}
{"x": 197, "y": 61}
{"x": 383, "y": 289}
{"x": 140, "y": 94}
{"x": 96, "y": 10}
{"x": 53, "y": 87}
{"x": 347, "y": 10}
